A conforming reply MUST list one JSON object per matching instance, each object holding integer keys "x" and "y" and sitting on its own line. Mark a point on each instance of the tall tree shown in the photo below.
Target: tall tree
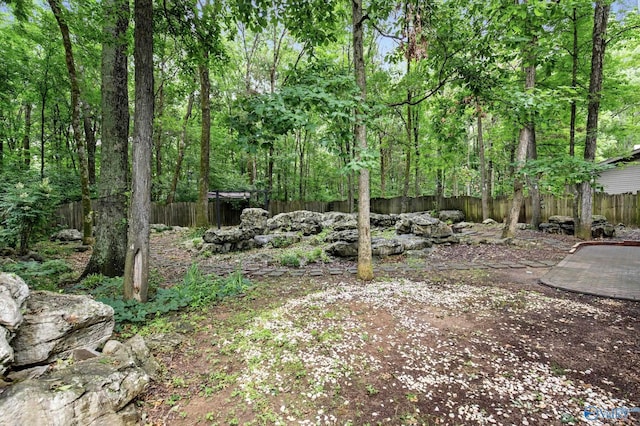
{"x": 527, "y": 134}
{"x": 136, "y": 272}
{"x": 108, "y": 257}
{"x": 365, "y": 267}
{"x": 600, "y": 19}
{"x": 202, "y": 206}
{"x": 87, "y": 214}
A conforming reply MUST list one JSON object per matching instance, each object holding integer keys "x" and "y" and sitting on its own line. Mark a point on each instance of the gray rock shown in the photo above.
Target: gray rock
{"x": 404, "y": 226}
{"x": 13, "y": 293}
{"x": 342, "y": 249}
{"x": 333, "y": 219}
{"x": 453, "y": 216}
{"x": 435, "y": 230}
{"x": 56, "y": 324}
{"x": 283, "y": 239}
{"x": 489, "y": 222}
{"x": 254, "y": 219}
{"x": 223, "y": 236}
{"x": 412, "y": 242}
{"x": 67, "y": 235}
{"x": 561, "y": 220}
{"x": 90, "y": 392}
{"x": 307, "y": 222}
{"x": 603, "y": 231}
{"x": 451, "y": 239}
{"x": 134, "y": 349}
{"x": 460, "y": 226}
{"x": 6, "y": 351}
{"x": 383, "y": 247}
{"x": 383, "y": 220}
{"x": 160, "y": 227}
{"x": 598, "y": 219}
{"x": 349, "y": 236}
{"x": 347, "y": 224}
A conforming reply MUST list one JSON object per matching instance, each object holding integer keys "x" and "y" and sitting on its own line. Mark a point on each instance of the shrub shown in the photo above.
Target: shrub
{"x": 290, "y": 259}
{"x": 196, "y": 291}
{"x": 25, "y": 211}
{"x": 41, "y": 276}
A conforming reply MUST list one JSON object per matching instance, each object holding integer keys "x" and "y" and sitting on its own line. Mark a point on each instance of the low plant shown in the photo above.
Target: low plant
{"x": 41, "y": 275}
{"x": 317, "y": 255}
{"x": 196, "y": 291}
{"x": 290, "y": 259}
{"x": 281, "y": 242}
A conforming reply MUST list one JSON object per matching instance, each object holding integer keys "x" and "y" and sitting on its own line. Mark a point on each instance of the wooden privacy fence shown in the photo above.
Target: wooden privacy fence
{"x": 619, "y": 208}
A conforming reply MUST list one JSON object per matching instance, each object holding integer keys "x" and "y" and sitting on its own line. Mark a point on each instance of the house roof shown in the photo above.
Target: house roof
{"x": 635, "y": 155}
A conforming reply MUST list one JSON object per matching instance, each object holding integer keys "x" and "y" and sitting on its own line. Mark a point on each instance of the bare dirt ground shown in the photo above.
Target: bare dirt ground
{"x": 422, "y": 346}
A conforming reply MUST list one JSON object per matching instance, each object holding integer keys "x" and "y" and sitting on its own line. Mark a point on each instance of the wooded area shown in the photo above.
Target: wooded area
{"x": 308, "y": 100}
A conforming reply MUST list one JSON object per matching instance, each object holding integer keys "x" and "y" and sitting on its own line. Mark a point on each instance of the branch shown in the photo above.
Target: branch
{"x": 619, "y": 33}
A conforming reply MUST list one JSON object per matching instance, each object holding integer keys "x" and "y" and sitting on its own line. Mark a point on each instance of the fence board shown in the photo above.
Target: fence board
{"x": 618, "y": 208}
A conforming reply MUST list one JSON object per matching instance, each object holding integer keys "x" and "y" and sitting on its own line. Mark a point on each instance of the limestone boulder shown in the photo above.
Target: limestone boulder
{"x": 453, "y": 216}
{"x": 430, "y": 227}
{"x": 383, "y": 220}
{"x": 13, "y": 294}
{"x": 56, "y": 324}
{"x": 279, "y": 240}
{"x": 67, "y": 235}
{"x": 333, "y": 219}
{"x": 254, "y": 219}
{"x": 6, "y": 351}
{"x": 383, "y": 247}
{"x": 412, "y": 242}
{"x": 95, "y": 391}
{"x": 342, "y": 249}
{"x": 349, "y": 236}
{"x": 304, "y": 221}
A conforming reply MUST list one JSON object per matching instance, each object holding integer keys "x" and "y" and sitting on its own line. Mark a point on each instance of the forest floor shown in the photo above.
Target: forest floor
{"x": 439, "y": 339}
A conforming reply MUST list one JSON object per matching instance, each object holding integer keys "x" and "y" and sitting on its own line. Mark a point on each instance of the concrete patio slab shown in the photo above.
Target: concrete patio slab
{"x": 611, "y": 270}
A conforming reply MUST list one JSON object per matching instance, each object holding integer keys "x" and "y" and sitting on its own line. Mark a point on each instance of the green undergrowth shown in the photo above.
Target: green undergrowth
{"x": 196, "y": 291}
{"x": 41, "y": 275}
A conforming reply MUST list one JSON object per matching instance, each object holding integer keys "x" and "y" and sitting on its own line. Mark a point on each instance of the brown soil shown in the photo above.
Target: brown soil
{"x": 423, "y": 346}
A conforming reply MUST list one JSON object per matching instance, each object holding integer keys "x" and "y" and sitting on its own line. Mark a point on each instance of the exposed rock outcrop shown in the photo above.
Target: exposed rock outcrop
{"x": 600, "y": 228}
{"x": 13, "y": 295}
{"x": 56, "y": 324}
{"x": 95, "y": 391}
{"x": 67, "y": 235}
{"x": 453, "y": 216}
{"x": 304, "y": 221}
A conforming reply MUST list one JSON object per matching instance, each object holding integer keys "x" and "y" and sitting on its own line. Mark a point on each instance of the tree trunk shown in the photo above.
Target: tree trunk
{"x": 157, "y": 145}
{"x": 600, "y": 18}
{"x": 182, "y": 147}
{"x": 43, "y": 104}
{"x": 109, "y": 251}
{"x": 534, "y": 190}
{"x": 383, "y": 169}
{"x": 90, "y": 137}
{"x": 202, "y": 211}
{"x": 87, "y": 214}
{"x": 483, "y": 169}
{"x": 136, "y": 271}
{"x": 526, "y": 136}
{"x": 26, "y": 138}
{"x": 365, "y": 266}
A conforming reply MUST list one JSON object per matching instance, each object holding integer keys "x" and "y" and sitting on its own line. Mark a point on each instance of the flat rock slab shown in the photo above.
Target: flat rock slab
{"x": 602, "y": 270}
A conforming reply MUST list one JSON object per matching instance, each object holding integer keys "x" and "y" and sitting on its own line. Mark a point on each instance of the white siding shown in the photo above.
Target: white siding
{"x": 622, "y": 179}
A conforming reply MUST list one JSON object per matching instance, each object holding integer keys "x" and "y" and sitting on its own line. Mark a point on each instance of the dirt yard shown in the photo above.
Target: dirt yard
{"x": 424, "y": 344}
